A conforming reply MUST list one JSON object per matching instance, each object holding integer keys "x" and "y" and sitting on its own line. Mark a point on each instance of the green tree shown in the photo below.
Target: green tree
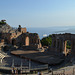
{"x": 68, "y": 45}
{"x": 46, "y": 41}
{"x": 1, "y": 23}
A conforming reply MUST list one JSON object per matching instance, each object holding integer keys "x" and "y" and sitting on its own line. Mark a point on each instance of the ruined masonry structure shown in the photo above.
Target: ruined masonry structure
{"x": 59, "y": 42}
{"x": 22, "y": 38}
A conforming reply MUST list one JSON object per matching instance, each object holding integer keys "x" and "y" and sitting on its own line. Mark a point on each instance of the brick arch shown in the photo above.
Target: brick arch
{"x": 27, "y": 41}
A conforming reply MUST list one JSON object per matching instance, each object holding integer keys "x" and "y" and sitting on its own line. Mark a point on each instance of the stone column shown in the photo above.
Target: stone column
{"x": 53, "y": 46}
{"x": 52, "y": 43}
{"x": 61, "y": 45}
{"x": 73, "y": 47}
{"x": 56, "y": 44}
{"x": 65, "y": 48}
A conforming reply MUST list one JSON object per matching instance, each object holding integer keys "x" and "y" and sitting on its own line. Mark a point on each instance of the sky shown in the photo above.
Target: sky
{"x": 38, "y": 13}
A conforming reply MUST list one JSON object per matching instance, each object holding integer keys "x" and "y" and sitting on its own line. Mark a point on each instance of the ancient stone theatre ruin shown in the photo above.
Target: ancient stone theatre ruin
{"x": 20, "y": 37}
{"x": 59, "y": 42}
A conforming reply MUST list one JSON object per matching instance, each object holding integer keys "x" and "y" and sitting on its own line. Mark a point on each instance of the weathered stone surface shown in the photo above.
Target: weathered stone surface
{"x": 59, "y": 42}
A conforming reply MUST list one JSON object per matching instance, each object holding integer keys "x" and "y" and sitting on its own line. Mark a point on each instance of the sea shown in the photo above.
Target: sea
{"x": 45, "y": 31}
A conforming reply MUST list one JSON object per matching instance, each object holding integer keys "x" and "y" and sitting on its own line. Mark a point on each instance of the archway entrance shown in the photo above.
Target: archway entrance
{"x": 67, "y": 48}
{"x": 27, "y": 41}
{"x": 13, "y": 42}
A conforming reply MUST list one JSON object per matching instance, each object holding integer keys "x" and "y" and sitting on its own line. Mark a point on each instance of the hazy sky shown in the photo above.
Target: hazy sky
{"x": 38, "y": 13}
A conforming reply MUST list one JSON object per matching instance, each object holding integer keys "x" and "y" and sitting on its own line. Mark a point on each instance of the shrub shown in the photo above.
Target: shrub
{"x": 46, "y": 41}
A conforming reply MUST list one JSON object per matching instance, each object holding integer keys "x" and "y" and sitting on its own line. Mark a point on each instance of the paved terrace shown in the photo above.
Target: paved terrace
{"x": 43, "y": 57}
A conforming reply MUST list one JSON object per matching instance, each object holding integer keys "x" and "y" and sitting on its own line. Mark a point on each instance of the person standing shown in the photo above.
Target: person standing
{"x": 39, "y": 73}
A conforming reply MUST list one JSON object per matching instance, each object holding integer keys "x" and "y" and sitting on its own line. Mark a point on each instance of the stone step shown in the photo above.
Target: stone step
{"x": 28, "y": 48}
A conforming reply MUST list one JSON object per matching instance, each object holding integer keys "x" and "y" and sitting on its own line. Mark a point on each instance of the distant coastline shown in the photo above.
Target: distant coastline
{"x": 52, "y": 30}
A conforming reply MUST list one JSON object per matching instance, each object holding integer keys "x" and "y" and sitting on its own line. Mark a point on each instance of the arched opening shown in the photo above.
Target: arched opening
{"x": 67, "y": 48}
{"x": 27, "y": 41}
{"x": 6, "y": 40}
{"x": 13, "y": 42}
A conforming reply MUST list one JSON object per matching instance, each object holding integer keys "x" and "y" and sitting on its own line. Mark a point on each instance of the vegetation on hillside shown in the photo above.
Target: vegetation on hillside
{"x": 1, "y": 23}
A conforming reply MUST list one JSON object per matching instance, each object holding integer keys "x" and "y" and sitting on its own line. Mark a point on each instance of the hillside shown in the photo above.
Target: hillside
{"x": 5, "y": 28}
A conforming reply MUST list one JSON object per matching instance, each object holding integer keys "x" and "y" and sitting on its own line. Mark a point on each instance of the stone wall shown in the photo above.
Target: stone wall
{"x": 59, "y": 42}
{"x": 22, "y": 38}
{"x": 22, "y": 30}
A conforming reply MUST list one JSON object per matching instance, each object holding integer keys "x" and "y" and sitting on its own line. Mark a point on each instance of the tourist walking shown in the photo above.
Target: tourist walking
{"x": 39, "y": 73}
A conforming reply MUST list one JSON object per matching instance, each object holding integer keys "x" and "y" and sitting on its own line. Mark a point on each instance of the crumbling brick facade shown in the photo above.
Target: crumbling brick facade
{"x": 22, "y": 38}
